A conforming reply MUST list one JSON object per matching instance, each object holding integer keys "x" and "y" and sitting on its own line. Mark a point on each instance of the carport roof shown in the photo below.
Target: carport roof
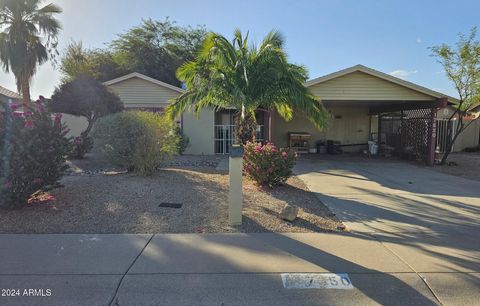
{"x": 383, "y": 76}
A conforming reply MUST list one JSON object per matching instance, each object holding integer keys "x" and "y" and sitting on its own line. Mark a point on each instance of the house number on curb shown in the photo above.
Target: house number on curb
{"x": 316, "y": 281}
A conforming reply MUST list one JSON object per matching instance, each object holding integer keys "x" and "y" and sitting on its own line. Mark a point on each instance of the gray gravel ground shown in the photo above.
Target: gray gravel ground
{"x": 126, "y": 203}
{"x": 464, "y": 164}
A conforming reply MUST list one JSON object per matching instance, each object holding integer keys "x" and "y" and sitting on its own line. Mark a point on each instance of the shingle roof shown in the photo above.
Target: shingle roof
{"x": 9, "y": 93}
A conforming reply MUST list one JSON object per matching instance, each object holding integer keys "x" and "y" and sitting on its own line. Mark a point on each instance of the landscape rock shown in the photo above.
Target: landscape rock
{"x": 289, "y": 212}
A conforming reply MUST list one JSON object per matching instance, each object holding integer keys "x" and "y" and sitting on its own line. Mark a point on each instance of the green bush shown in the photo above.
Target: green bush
{"x": 183, "y": 140}
{"x": 33, "y": 148}
{"x": 266, "y": 164}
{"x": 137, "y": 141}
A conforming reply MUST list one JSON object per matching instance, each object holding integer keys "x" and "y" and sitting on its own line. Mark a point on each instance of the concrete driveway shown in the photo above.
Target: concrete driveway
{"x": 391, "y": 197}
{"x": 429, "y": 220}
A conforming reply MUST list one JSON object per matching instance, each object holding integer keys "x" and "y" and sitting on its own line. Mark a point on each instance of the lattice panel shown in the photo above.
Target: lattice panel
{"x": 408, "y": 132}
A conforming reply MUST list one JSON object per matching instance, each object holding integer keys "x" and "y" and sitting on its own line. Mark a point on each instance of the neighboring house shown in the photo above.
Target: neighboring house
{"x": 137, "y": 91}
{"x": 9, "y": 96}
{"x": 365, "y": 104}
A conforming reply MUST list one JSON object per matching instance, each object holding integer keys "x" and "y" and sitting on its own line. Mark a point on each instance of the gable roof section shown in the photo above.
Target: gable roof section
{"x": 382, "y": 76}
{"x": 9, "y": 94}
{"x": 143, "y": 77}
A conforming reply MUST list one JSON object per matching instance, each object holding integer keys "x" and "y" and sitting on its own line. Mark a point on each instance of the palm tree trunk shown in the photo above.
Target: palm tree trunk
{"x": 26, "y": 92}
{"x": 245, "y": 128}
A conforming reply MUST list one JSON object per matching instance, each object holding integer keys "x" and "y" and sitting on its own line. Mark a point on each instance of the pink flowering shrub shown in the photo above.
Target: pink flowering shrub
{"x": 81, "y": 145}
{"x": 33, "y": 148}
{"x": 268, "y": 165}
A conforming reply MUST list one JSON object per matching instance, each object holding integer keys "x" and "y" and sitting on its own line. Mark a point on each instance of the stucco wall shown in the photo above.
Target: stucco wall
{"x": 200, "y": 132}
{"x": 75, "y": 124}
{"x": 469, "y": 137}
{"x": 349, "y": 125}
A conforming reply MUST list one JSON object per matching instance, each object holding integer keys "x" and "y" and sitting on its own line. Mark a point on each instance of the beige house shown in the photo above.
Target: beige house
{"x": 9, "y": 96}
{"x": 365, "y": 105}
{"x": 137, "y": 91}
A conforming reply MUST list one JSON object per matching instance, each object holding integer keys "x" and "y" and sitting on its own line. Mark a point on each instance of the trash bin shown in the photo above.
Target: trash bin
{"x": 372, "y": 148}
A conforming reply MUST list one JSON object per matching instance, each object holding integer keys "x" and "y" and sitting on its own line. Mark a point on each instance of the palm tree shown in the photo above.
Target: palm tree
{"x": 22, "y": 47}
{"x": 233, "y": 74}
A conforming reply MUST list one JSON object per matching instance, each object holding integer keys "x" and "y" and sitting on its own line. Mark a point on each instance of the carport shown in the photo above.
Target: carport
{"x": 369, "y": 105}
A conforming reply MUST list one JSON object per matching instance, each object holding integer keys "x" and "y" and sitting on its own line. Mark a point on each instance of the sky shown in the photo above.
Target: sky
{"x": 325, "y": 36}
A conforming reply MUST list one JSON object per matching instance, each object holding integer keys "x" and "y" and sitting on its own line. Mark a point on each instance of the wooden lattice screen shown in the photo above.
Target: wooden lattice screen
{"x": 409, "y": 132}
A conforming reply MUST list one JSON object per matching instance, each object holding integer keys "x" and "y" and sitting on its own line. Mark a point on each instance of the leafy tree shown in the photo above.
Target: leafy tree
{"x": 233, "y": 74}
{"x": 98, "y": 64}
{"x": 85, "y": 97}
{"x": 28, "y": 37}
{"x": 462, "y": 66}
{"x": 157, "y": 48}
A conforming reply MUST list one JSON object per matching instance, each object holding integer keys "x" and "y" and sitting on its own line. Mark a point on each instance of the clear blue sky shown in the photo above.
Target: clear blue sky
{"x": 325, "y": 36}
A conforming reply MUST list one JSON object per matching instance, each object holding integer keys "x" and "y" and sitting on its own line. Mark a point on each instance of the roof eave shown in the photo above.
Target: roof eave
{"x": 143, "y": 77}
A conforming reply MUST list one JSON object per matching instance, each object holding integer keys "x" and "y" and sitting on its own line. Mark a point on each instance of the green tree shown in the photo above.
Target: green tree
{"x": 85, "y": 97}
{"x": 233, "y": 74}
{"x": 461, "y": 63}
{"x": 157, "y": 48}
{"x": 28, "y": 37}
{"x": 98, "y": 64}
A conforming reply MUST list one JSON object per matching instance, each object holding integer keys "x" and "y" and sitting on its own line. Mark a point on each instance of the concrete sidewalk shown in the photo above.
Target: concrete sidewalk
{"x": 233, "y": 269}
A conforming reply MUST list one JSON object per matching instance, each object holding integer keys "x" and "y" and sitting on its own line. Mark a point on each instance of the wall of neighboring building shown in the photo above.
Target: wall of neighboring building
{"x": 470, "y": 137}
{"x": 348, "y": 125}
{"x": 200, "y": 132}
{"x": 138, "y": 93}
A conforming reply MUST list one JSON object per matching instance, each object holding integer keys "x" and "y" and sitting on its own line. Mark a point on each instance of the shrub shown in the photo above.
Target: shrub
{"x": 266, "y": 164}
{"x": 33, "y": 151}
{"x": 183, "y": 140}
{"x": 138, "y": 141}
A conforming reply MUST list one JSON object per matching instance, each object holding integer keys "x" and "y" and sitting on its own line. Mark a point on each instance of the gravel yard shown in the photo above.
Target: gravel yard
{"x": 463, "y": 164}
{"x": 108, "y": 202}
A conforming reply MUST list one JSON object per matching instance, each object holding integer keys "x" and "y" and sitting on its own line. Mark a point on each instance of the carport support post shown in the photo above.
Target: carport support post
{"x": 235, "y": 195}
{"x": 432, "y": 137}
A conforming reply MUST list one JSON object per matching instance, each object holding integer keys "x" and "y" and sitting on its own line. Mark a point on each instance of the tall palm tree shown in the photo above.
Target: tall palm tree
{"x": 233, "y": 74}
{"x": 28, "y": 35}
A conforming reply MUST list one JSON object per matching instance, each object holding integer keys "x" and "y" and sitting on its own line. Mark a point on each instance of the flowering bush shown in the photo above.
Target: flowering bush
{"x": 81, "y": 145}
{"x": 33, "y": 148}
{"x": 268, "y": 165}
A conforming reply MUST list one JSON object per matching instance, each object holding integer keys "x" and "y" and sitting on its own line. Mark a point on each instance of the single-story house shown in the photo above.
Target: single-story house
{"x": 365, "y": 104}
{"x": 9, "y": 96}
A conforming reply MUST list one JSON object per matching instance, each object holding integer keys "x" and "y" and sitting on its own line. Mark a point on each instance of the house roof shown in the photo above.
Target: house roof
{"x": 143, "y": 77}
{"x": 382, "y": 76}
{"x": 8, "y": 93}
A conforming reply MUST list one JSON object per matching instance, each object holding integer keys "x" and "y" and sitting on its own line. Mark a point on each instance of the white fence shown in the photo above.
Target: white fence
{"x": 445, "y": 133}
{"x": 225, "y": 137}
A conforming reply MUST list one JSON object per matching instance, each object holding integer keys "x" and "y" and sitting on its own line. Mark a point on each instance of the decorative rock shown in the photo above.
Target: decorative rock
{"x": 289, "y": 212}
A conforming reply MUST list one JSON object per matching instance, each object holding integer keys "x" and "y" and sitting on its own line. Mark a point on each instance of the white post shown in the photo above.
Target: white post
{"x": 235, "y": 196}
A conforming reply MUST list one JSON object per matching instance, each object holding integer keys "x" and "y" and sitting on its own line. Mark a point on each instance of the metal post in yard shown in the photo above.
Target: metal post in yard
{"x": 235, "y": 196}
